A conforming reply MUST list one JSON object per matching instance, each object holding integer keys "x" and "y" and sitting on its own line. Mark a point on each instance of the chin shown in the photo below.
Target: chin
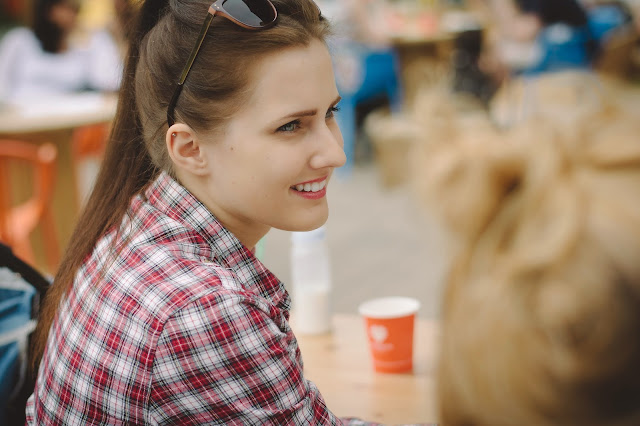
{"x": 304, "y": 224}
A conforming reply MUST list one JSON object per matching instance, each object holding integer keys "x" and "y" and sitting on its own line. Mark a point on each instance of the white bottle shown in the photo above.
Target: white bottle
{"x": 311, "y": 282}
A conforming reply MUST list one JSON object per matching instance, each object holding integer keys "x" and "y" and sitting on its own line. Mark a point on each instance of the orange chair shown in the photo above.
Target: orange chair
{"x": 17, "y": 222}
{"x": 87, "y": 149}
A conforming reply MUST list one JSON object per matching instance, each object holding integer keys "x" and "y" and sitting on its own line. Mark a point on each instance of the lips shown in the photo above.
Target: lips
{"x": 311, "y": 189}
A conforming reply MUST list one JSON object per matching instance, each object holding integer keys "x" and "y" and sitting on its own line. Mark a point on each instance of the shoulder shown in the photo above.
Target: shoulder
{"x": 135, "y": 293}
{"x": 20, "y": 38}
{"x": 162, "y": 277}
{"x": 158, "y": 265}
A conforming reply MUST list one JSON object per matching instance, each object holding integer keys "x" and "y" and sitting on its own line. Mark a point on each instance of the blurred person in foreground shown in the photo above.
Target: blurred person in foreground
{"x": 50, "y": 59}
{"x": 542, "y": 306}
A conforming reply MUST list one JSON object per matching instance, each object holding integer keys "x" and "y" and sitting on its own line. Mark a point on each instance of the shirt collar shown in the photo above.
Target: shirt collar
{"x": 177, "y": 202}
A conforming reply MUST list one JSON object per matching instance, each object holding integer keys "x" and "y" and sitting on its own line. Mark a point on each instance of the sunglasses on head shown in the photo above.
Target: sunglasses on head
{"x": 249, "y": 14}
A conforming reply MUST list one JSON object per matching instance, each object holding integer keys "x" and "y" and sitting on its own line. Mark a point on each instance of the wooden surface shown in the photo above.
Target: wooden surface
{"x": 339, "y": 364}
{"x": 54, "y": 121}
{"x": 53, "y": 114}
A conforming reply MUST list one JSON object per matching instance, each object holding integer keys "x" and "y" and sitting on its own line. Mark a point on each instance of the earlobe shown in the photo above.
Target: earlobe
{"x": 184, "y": 149}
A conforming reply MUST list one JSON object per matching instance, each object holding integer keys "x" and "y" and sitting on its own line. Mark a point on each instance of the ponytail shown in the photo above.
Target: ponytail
{"x": 125, "y": 171}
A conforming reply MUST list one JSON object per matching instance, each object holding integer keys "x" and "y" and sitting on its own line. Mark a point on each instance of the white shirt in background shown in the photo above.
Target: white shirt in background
{"x": 27, "y": 71}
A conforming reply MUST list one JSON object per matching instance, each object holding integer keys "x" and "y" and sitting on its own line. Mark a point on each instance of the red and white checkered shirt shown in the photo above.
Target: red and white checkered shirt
{"x": 182, "y": 325}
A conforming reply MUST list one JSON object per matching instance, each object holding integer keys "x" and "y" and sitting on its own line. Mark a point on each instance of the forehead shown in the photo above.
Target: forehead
{"x": 296, "y": 78}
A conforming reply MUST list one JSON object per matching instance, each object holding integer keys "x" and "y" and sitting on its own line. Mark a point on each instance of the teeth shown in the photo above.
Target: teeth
{"x": 311, "y": 187}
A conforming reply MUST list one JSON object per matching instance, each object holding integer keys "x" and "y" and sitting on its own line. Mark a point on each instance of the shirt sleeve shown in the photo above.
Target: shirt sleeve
{"x": 224, "y": 360}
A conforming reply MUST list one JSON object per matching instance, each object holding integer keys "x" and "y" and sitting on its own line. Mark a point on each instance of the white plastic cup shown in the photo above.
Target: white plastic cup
{"x": 311, "y": 281}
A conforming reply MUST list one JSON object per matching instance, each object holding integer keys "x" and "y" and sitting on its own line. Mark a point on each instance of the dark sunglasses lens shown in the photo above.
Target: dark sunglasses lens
{"x": 254, "y": 13}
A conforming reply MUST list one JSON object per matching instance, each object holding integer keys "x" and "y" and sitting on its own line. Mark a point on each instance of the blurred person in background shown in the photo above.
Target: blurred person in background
{"x": 366, "y": 66}
{"x": 542, "y": 304}
{"x": 542, "y": 35}
{"x": 47, "y": 59}
{"x": 524, "y": 19}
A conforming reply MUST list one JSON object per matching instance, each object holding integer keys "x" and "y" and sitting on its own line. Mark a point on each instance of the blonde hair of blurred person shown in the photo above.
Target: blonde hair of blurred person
{"x": 47, "y": 59}
{"x": 542, "y": 304}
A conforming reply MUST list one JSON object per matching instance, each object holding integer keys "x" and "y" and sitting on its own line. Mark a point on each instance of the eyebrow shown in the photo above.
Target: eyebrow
{"x": 307, "y": 113}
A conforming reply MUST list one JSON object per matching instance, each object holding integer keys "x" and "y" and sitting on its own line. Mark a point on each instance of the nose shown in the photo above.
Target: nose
{"x": 330, "y": 148}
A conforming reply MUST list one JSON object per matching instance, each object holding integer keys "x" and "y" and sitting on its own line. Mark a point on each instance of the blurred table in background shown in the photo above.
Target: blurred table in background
{"x": 339, "y": 364}
{"x": 54, "y": 120}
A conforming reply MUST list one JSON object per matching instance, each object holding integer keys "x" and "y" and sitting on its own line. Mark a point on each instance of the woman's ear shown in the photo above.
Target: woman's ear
{"x": 184, "y": 149}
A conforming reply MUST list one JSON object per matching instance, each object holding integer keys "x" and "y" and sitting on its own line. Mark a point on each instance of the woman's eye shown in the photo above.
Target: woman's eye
{"x": 331, "y": 112}
{"x": 291, "y": 126}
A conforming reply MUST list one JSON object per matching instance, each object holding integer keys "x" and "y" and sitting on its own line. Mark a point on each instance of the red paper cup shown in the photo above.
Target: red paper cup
{"x": 389, "y": 323}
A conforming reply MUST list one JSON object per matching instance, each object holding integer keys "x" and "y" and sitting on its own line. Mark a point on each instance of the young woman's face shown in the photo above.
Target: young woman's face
{"x": 272, "y": 164}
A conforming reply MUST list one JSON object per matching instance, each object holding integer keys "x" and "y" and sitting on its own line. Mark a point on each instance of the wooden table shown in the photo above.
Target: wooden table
{"x": 339, "y": 364}
{"x": 59, "y": 113}
{"x": 53, "y": 120}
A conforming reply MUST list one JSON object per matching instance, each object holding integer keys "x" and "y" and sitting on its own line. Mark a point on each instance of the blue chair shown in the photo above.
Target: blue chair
{"x": 362, "y": 74}
{"x": 603, "y": 19}
{"x": 563, "y": 47}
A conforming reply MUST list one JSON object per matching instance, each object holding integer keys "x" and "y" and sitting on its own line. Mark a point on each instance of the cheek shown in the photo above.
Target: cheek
{"x": 265, "y": 170}
{"x": 285, "y": 169}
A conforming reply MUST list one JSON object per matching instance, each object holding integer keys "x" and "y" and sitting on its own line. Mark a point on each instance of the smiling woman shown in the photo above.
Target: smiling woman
{"x": 160, "y": 312}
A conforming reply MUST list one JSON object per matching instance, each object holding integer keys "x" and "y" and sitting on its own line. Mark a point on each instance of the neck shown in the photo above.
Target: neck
{"x": 245, "y": 230}
{"x": 248, "y": 239}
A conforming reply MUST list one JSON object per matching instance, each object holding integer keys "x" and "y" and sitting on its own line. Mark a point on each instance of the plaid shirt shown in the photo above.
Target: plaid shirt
{"x": 183, "y": 325}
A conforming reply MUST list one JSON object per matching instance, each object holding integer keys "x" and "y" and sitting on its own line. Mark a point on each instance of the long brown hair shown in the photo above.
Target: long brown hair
{"x": 218, "y": 84}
